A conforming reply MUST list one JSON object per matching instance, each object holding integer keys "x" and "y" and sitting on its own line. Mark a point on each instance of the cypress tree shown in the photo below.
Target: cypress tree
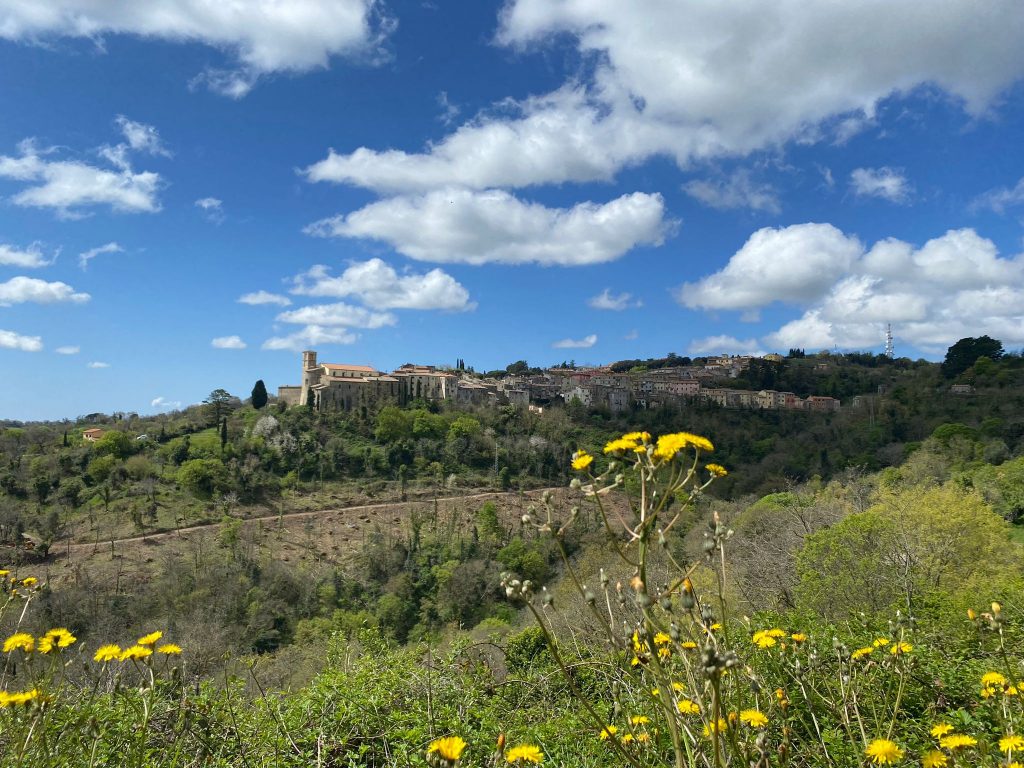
{"x": 259, "y": 395}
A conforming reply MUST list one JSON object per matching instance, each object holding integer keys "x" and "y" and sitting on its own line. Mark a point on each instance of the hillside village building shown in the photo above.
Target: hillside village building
{"x": 331, "y": 386}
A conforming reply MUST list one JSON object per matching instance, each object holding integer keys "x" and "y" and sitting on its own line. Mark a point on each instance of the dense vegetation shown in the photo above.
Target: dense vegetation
{"x": 893, "y": 521}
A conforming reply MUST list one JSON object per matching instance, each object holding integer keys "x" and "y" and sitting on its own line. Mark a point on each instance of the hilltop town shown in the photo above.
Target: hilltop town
{"x": 345, "y": 387}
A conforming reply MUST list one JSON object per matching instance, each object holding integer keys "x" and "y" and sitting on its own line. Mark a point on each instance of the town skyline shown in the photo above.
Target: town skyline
{"x": 193, "y": 194}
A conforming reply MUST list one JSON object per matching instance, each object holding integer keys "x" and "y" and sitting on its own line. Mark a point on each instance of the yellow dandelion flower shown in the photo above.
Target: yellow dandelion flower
{"x": 687, "y": 707}
{"x": 715, "y": 727}
{"x": 971, "y": 614}
{"x": 525, "y": 753}
{"x": 670, "y": 445}
{"x": 4, "y": 573}
{"x": 715, "y": 627}
{"x": 990, "y": 679}
{"x": 135, "y": 653}
{"x": 31, "y": 581}
{"x": 662, "y": 638}
{"x": 900, "y": 648}
{"x": 581, "y": 460}
{"x": 23, "y": 697}
{"x": 862, "y": 652}
{"x": 22, "y": 641}
{"x": 933, "y": 759}
{"x": 754, "y": 718}
{"x": 639, "y": 719}
{"x": 763, "y": 640}
{"x": 798, "y": 637}
{"x": 644, "y": 437}
{"x": 150, "y": 639}
{"x": 170, "y": 649}
{"x": 678, "y": 687}
{"x": 62, "y": 637}
{"x": 941, "y": 729}
{"x": 619, "y": 445}
{"x": 688, "y": 645}
{"x": 608, "y": 731}
{"x": 643, "y": 737}
{"x": 1011, "y": 690}
{"x": 45, "y": 644}
{"x": 716, "y": 469}
{"x": 881, "y": 642}
{"x": 664, "y": 653}
{"x": 1011, "y": 743}
{"x": 883, "y": 752}
{"x": 450, "y": 747}
{"x": 627, "y": 738}
{"x": 107, "y": 653}
{"x": 957, "y": 741}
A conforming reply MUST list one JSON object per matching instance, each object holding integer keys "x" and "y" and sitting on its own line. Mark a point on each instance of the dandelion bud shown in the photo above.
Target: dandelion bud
{"x": 501, "y": 743}
{"x": 996, "y": 608}
{"x": 509, "y": 592}
{"x": 687, "y": 601}
{"x": 575, "y": 511}
{"x": 708, "y": 546}
{"x": 547, "y": 598}
{"x": 590, "y": 597}
{"x": 620, "y": 479}
{"x": 665, "y": 602}
{"x": 527, "y": 585}
{"x": 662, "y": 542}
{"x": 971, "y": 614}
{"x": 604, "y": 578}
{"x": 575, "y": 484}
{"x": 526, "y": 519}
{"x": 674, "y": 633}
{"x": 546, "y": 497}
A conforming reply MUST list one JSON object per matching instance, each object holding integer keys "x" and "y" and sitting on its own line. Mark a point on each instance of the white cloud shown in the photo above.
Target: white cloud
{"x": 19, "y": 290}
{"x": 377, "y": 284}
{"x": 264, "y": 36}
{"x": 264, "y": 297}
{"x": 68, "y": 350}
{"x": 721, "y": 345}
{"x": 953, "y": 286}
{"x": 92, "y": 253}
{"x": 462, "y": 226}
{"x": 886, "y": 183}
{"x": 1000, "y": 199}
{"x": 228, "y": 342}
{"x": 212, "y": 208}
{"x": 27, "y": 258}
{"x": 585, "y": 343}
{"x": 96, "y": 364}
{"x": 310, "y": 337}
{"x": 67, "y": 185}
{"x": 700, "y": 79}
{"x": 449, "y": 111}
{"x": 163, "y": 404}
{"x": 739, "y": 190}
{"x": 12, "y": 340}
{"x": 141, "y": 137}
{"x": 339, "y": 314}
{"x": 791, "y": 264}
{"x": 615, "y": 303}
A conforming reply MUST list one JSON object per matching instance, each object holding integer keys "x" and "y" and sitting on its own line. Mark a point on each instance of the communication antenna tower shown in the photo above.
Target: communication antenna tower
{"x": 890, "y": 350}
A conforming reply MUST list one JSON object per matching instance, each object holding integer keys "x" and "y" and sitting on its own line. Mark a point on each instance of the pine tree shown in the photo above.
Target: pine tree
{"x": 223, "y": 433}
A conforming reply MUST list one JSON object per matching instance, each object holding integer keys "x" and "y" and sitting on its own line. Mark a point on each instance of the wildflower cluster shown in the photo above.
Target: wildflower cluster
{"x": 447, "y": 752}
{"x": 722, "y": 690}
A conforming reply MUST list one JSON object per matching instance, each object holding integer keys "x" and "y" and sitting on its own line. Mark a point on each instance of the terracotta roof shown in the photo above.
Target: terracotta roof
{"x": 334, "y": 367}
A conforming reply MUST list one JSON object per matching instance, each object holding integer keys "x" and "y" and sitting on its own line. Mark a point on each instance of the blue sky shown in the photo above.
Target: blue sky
{"x": 191, "y": 193}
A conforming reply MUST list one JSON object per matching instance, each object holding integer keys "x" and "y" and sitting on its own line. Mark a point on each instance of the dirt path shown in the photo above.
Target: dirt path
{"x": 60, "y": 550}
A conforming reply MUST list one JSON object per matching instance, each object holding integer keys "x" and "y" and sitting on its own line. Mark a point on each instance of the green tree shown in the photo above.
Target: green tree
{"x": 115, "y": 443}
{"x": 202, "y": 477}
{"x": 965, "y": 353}
{"x": 219, "y": 401}
{"x": 259, "y": 394}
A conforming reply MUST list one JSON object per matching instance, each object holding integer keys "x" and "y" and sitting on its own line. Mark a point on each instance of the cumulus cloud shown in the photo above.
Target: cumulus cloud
{"x": 377, "y": 284}
{"x": 163, "y": 404}
{"x": 310, "y": 337}
{"x": 739, "y": 190}
{"x": 463, "y": 226}
{"x": 615, "y": 303}
{"x": 585, "y": 343}
{"x": 339, "y": 314}
{"x": 67, "y": 350}
{"x": 742, "y": 77}
{"x": 259, "y": 298}
{"x": 789, "y": 264}
{"x": 262, "y": 36}
{"x": 97, "y": 364}
{"x": 886, "y": 183}
{"x": 212, "y": 208}
{"x": 21, "y": 290}
{"x": 12, "y": 340}
{"x": 1001, "y": 198}
{"x": 228, "y": 342}
{"x": 68, "y": 185}
{"x": 141, "y": 137}
{"x": 87, "y": 256}
{"x": 27, "y": 258}
{"x": 721, "y": 345}
{"x": 953, "y": 286}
